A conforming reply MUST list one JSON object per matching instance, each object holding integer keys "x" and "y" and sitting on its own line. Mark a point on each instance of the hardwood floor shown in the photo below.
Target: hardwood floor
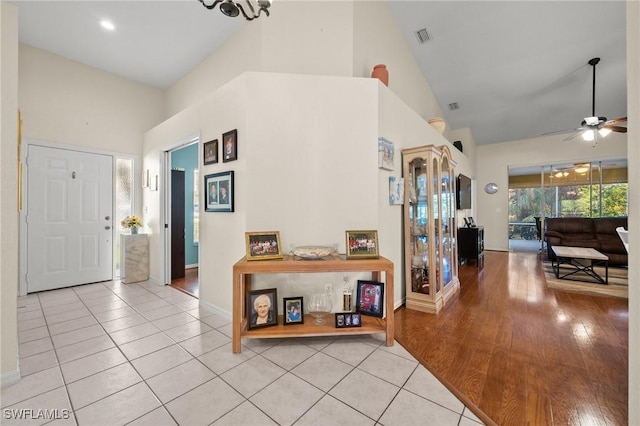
{"x": 521, "y": 353}
{"x": 189, "y": 284}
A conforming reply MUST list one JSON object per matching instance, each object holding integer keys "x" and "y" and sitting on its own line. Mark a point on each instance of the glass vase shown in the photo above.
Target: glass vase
{"x": 319, "y": 306}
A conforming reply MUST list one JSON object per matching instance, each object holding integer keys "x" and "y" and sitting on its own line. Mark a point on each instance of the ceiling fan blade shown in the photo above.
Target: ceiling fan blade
{"x": 557, "y": 132}
{"x": 615, "y": 121}
{"x": 619, "y": 129}
{"x": 573, "y": 135}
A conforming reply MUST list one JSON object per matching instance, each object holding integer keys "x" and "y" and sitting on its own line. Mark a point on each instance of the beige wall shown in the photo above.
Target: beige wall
{"x": 378, "y": 39}
{"x": 313, "y": 37}
{"x": 492, "y": 165}
{"x": 66, "y": 102}
{"x": 633, "y": 109}
{"x": 8, "y": 192}
{"x": 307, "y": 159}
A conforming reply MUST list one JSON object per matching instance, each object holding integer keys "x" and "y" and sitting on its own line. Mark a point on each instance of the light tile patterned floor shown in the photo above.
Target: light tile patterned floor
{"x": 142, "y": 354}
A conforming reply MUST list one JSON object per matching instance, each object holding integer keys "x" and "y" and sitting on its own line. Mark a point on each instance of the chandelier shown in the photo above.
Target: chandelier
{"x": 233, "y": 8}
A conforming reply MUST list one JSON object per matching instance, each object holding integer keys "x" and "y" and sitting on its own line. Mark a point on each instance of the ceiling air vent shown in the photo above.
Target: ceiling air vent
{"x": 423, "y": 36}
{"x": 453, "y": 106}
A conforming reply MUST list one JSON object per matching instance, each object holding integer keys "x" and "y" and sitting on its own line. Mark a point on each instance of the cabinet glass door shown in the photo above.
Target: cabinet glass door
{"x": 446, "y": 200}
{"x": 418, "y": 222}
{"x": 437, "y": 221}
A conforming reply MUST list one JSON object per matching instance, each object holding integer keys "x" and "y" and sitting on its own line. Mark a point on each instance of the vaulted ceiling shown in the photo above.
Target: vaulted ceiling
{"x": 516, "y": 69}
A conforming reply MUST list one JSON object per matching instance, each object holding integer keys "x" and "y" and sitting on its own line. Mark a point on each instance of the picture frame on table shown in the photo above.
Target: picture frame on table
{"x": 263, "y": 245}
{"x": 218, "y": 192}
{"x": 262, "y": 308}
{"x": 210, "y": 154}
{"x": 362, "y": 244}
{"x": 348, "y": 319}
{"x": 293, "y": 310}
{"x": 230, "y": 146}
{"x": 370, "y": 298}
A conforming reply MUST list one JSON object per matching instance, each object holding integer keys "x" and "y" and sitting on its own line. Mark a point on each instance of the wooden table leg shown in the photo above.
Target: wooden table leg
{"x": 237, "y": 312}
{"x": 390, "y": 311}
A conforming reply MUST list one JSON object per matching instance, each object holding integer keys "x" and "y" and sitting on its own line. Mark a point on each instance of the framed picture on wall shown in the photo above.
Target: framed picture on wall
{"x": 218, "y": 192}
{"x": 210, "y": 152}
{"x": 230, "y": 146}
{"x": 386, "y": 154}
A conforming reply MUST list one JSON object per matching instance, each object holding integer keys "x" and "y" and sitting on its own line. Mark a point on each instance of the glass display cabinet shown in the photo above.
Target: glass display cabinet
{"x": 431, "y": 272}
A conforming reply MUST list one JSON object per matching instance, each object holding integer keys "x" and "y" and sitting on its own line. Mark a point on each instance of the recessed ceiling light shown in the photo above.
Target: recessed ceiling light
{"x": 107, "y": 25}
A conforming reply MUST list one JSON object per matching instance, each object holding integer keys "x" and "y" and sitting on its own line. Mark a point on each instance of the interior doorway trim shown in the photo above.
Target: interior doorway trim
{"x": 165, "y": 200}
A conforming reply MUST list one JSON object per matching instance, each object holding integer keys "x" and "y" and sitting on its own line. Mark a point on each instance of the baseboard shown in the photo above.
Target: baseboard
{"x": 216, "y": 309}
{"x": 192, "y": 266}
{"x": 155, "y": 280}
{"x": 9, "y": 378}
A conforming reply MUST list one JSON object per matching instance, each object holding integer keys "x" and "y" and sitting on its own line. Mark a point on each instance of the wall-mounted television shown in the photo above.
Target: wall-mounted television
{"x": 463, "y": 196}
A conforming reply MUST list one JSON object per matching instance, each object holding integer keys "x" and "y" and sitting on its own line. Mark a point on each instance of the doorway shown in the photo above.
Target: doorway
{"x": 69, "y": 217}
{"x": 184, "y": 218}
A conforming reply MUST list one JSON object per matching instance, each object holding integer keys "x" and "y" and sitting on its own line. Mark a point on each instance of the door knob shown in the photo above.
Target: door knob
{"x": 107, "y": 217}
{"x": 107, "y": 227}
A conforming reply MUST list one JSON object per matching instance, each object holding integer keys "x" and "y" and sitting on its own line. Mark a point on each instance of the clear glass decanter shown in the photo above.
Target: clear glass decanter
{"x": 319, "y": 306}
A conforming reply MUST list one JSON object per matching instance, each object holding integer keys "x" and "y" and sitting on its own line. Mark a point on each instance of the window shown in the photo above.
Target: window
{"x": 124, "y": 196}
{"x": 589, "y": 189}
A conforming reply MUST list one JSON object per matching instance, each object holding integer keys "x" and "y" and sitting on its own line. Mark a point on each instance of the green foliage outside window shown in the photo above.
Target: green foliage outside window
{"x": 563, "y": 201}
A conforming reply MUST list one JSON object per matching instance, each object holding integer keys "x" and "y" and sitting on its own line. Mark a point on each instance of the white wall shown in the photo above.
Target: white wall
{"x": 70, "y": 103}
{"x": 378, "y": 39}
{"x": 342, "y": 38}
{"x": 8, "y": 191}
{"x": 492, "y": 165}
{"x": 307, "y": 167}
{"x": 633, "y": 111}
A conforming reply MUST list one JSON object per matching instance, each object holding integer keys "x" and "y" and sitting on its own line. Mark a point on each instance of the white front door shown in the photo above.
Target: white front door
{"x": 69, "y": 218}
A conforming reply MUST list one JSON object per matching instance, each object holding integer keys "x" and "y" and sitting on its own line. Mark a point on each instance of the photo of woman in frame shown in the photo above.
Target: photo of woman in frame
{"x": 262, "y": 308}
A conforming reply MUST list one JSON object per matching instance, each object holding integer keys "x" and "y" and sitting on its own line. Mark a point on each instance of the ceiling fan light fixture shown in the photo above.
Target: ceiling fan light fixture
{"x": 604, "y": 131}
{"x": 229, "y": 9}
{"x": 581, "y": 168}
{"x": 233, "y": 8}
{"x": 588, "y": 135}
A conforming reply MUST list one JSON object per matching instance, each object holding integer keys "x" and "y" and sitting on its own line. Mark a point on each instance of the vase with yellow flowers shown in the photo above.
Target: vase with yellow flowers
{"x": 132, "y": 223}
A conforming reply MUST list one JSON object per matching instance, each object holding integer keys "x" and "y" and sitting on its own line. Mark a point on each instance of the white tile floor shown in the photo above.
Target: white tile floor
{"x": 114, "y": 354}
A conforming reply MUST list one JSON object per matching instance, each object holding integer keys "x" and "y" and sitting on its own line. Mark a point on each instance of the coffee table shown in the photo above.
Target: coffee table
{"x": 575, "y": 257}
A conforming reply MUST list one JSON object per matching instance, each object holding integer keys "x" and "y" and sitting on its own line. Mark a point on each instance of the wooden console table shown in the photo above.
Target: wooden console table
{"x": 243, "y": 270}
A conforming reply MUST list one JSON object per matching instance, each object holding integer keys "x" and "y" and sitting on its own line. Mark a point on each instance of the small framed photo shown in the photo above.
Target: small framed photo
{"x": 218, "y": 192}
{"x": 348, "y": 319}
{"x": 263, "y": 245}
{"x": 230, "y": 146}
{"x": 396, "y": 190}
{"x": 210, "y": 152}
{"x": 293, "y": 310}
{"x": 386, "y": 153}
{"x": 370, "y": 298}
{"x": 362, "y": 245}
{"x": 262, "y": 308}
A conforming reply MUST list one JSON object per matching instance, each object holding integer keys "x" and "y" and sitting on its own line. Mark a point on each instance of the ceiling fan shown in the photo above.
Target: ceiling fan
{"x": 594, "y": 126}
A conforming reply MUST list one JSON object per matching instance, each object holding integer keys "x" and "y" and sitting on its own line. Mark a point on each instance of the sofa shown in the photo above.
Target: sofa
{"x": 597, "y": 233}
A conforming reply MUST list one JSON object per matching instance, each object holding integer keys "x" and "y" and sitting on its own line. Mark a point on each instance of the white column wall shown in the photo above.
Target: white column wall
{"x": 307, "y": 167}
{"x": 8, "y": 192}
{"x": 633, "y": 111}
